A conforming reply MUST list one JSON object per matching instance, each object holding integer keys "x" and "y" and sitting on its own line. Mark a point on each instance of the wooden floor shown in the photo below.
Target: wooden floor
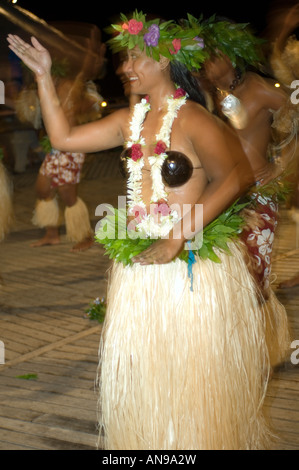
{"x": 43, "y": 295}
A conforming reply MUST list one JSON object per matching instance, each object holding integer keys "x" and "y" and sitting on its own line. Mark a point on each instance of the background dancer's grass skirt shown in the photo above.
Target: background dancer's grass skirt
{"x": 77, "y": 221}
{"x": 181, "y": 369}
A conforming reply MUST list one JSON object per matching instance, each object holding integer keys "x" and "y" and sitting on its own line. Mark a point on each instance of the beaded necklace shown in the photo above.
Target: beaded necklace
{"x": 232, "y": 107}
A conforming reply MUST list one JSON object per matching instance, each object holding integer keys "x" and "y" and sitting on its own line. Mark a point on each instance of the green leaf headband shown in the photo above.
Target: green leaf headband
{"x": 191, "y": 42}
{"x": 171, "y": 40}
{"x": 235, "y": 40}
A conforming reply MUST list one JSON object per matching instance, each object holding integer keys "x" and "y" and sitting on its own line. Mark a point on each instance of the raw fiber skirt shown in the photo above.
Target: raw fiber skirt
{"x": 180, "y": 368}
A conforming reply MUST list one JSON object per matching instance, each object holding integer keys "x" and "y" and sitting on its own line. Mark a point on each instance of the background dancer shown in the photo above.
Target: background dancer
{"x": 283, "y": 23}
{"x": 60, "y": 172}
{"x": 247, "y": 101}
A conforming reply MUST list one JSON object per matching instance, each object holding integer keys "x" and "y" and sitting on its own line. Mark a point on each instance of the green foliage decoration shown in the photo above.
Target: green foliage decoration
{"x": 215, "y": 235}
{"x": 191, "y": 41}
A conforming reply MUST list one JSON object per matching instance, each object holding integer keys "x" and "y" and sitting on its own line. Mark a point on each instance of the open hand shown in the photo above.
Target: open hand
{"x": 161, "y": 252}
{"x": 35, "y": 56}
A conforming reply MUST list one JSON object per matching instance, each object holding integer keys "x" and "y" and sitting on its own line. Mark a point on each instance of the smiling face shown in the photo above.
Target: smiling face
{"x": 143, "y": 72}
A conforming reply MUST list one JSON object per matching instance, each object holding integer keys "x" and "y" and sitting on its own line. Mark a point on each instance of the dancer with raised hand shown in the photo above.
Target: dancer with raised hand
{"x": 60, "y": 173}
{"x": 183, "y": 355}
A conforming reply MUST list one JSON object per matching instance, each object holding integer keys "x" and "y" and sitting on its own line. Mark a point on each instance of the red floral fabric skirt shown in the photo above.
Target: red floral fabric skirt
{"x": 258, "y": 236}
{"x": 62, "y": 167}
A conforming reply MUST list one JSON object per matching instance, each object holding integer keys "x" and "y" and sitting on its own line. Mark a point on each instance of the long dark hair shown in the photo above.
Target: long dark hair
{"x": 181, "y": 76}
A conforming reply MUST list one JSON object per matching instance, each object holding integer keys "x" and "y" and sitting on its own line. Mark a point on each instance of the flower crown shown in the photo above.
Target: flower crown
{"x": 235, "y": 40}
{"x": 156, "y": 37}
{"x": 191, "y": 42}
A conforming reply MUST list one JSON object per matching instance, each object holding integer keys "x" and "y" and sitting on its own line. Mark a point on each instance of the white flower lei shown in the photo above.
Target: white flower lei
{"x": 148, "y": 226}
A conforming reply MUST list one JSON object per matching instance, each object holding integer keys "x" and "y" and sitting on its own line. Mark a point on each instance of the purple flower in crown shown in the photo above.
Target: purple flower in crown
{"x": 151, "y": 38}
{"x": 200, "y": 42}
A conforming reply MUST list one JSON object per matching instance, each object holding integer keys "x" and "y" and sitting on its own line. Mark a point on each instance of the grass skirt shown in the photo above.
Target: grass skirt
{"x": 77, "y": 221}
{"x": 46, "y": 213}
{"x": 182, "y": 369}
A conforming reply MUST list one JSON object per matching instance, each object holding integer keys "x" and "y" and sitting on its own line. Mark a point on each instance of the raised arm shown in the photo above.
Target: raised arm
{"x": 99, "y": 135}
{"x": 287, "y": 21}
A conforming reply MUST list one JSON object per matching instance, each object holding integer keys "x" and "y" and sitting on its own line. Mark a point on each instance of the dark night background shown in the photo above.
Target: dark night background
{"x": 103, "y": 13}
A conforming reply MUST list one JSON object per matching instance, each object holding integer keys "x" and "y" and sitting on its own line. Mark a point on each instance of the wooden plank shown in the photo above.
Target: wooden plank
{"x": 55, "y": 327}
{"x": 85, "y": 401}
{"x": 44, "y": 297}
{"x": 75, "y": 387}
{"x": 25, "y": 337}
{"x": 49, "y": 374}
{"x": 49, "y": 347}
{"x": 18, "y": 404}
{"x": 10, "y": 446}
{"x": 58, "y": 368}
{"x": 16, "y": 385}
{"x": 10, "y": 438}
{"x": 71, "y": 423}
{"x": 23, "y": 413}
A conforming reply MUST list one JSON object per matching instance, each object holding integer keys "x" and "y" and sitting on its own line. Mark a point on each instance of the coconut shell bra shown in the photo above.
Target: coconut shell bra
{"x": 167, "y": 168}
{"x": 176, "y": 169}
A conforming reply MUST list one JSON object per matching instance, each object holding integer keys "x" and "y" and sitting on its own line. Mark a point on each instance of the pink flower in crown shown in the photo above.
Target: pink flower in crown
{"x": 176, "y": 45}
{"x": 200, "y": 42}
{"x": 134, "y": 26}
{"x": 136, "y": 152}
{"x": 179, "y": 93}
{"x": 160, "y": 147}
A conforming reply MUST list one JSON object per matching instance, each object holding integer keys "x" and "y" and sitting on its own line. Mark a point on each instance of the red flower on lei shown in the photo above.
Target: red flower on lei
{"x": 136, "y": 152}
{"x": 139, "y": 213}
{"x": 179, "y": 93}
{"x": 162, "y": 208}
{"x": 160, "y": 147}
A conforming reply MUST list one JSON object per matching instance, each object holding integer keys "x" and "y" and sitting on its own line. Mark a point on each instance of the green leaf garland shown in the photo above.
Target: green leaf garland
{"x": 216, "y": 235}
{"x": 200, "y": 39}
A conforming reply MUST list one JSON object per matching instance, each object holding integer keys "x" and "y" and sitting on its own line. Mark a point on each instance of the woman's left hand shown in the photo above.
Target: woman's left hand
{"x": 34, "y": 55}
{"x": 161, "y": 252}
